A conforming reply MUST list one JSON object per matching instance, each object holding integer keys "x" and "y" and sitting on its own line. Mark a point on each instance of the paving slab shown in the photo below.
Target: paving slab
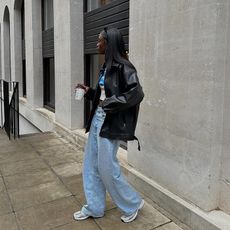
{"x": 147, "y": 219}
{"x": 170, "y": 226}
{"x": 29, "y": 179}
{"x": 48, "y": 143}
{"x": 5, "y": 205}
{"x": 57, "y": 149}
{"x": 165, "y": 213}
{"x": 8, "y": 222}
{"x": 49, "y": 215}
{"x": 66, "y": 156}
{"x": 38, "y": 194}
{"x": 68, "y": 169}
{"x": 22, "y": 154}
{"x": 75, "y": 185}
{"x": 23, "y": 166}
{"x": 2, "y": 186}
{"x": 3, "y": 135}
{"x": 80, "y": 225}
{"x": 10, "y": 146}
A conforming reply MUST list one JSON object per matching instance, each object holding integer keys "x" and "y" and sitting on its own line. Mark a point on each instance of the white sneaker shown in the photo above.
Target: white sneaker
{"x": 80, "y": 215}
{"x": 132, "y": 217}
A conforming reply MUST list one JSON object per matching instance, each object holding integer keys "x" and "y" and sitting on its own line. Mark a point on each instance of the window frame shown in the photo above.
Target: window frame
{"x": 48, "y": 56}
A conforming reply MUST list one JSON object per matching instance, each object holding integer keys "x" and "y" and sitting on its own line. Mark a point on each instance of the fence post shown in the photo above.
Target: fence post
{"x": 1, "y": 98}
{"x": 6, "y": 107}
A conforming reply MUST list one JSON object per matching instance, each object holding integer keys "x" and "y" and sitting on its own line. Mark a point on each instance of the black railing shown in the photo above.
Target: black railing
{"x": 9, "y": 99}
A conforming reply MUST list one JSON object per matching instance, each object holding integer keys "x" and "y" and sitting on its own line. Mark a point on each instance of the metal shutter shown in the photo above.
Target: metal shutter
{"x": 115, "y": 14}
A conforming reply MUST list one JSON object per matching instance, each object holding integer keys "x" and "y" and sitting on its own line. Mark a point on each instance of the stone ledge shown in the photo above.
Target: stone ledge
{"x": 40, "y": 118}
{"x": 187, "y": 213}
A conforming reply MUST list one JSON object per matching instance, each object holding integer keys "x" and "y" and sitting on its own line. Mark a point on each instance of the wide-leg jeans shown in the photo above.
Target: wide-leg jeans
{"x": 101, "y": 173}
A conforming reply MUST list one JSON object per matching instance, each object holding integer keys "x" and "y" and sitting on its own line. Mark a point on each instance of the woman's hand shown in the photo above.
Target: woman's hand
{"x": 82, "y": 86}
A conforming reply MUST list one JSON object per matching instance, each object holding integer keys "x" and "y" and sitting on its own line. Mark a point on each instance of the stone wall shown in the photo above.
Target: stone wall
{"x": 225, "y": 160}
{"x": 179, "y": 49}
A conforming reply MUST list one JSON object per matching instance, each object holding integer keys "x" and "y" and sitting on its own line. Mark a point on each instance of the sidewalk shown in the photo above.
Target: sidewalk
{"x": 41, "y": 187}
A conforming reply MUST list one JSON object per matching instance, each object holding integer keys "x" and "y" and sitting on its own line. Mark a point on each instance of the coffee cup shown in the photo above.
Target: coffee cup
{"x": 79, "y": 93}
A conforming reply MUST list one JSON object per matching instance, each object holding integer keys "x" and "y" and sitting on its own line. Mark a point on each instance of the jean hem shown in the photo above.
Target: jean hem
{"x": 88, "y": 213}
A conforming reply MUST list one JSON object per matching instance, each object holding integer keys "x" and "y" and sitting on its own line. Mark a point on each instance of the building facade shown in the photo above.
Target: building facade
{"x": 181, "y": 52}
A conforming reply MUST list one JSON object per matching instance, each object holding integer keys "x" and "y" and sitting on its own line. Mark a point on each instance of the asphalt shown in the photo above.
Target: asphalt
{"x": 41, "y": 188}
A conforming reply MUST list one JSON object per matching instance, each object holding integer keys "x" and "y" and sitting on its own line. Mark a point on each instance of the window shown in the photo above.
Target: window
{"x": 49, "y": 83}
{"x": 23, "y": 50}
{"x": 22, "y": 21}
{"x": 48, "y": 54}
{"x": 47, "y": 14}
{"x": 24, "y": 77}
{"x": 7, "y": 44}
{"x": 94, "y": 4}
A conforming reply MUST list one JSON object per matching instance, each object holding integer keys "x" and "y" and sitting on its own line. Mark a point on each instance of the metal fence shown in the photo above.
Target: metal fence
{"x": 9, "y": 100}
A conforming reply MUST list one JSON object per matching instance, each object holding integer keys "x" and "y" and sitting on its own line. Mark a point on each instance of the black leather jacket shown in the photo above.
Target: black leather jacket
{"x": 123, "y": 96}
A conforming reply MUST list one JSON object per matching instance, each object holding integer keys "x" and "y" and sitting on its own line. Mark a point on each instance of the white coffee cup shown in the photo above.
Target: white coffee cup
{"x": 79, "y": 93}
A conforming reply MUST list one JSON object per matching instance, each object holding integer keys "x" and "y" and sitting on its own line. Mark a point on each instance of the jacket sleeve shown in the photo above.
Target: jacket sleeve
{"x": 132, "y": 96}
{"x": 90, "y": 94}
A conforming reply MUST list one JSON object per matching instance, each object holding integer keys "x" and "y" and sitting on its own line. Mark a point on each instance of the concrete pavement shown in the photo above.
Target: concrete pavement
{"x": 41, "y": 187}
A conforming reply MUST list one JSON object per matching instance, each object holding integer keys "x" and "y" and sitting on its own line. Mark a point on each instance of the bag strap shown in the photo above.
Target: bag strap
{"x": 139, "y": 146}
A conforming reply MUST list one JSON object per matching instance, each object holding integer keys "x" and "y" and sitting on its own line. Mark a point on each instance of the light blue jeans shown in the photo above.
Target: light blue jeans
{"x": 101, "y": 173}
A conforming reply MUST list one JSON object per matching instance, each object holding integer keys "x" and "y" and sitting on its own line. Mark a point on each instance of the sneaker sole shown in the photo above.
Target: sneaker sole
{"x": 82, "y": 218}
{"x": 141, "y": 204}
{"x": 86, "y": 217}
{"x": 131, "y": 219}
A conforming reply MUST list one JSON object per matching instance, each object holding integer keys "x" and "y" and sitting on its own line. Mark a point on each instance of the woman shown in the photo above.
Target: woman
{"x": 113, "y": 118}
